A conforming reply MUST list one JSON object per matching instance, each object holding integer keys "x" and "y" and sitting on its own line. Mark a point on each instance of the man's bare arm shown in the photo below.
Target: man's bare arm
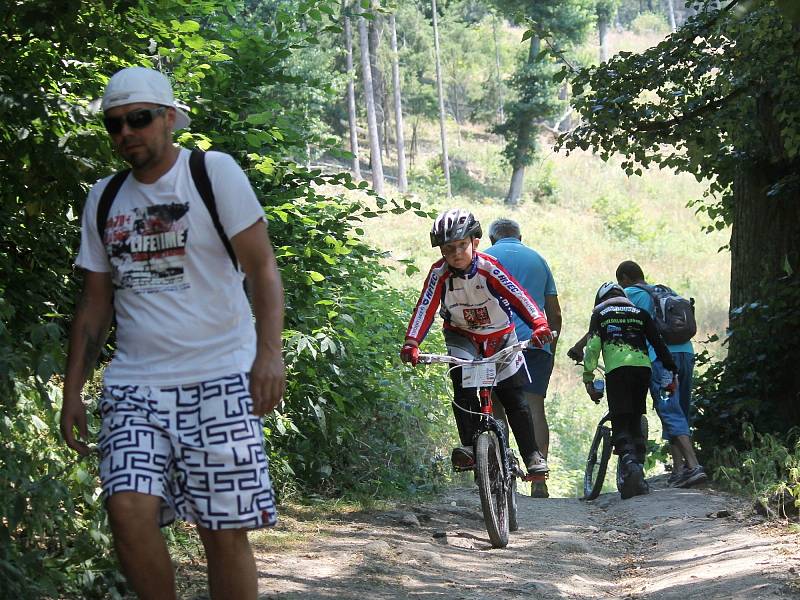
{"x": 90, "y": 325}
{"x": 553, "y": 311}
{"x": 267, "y": 377}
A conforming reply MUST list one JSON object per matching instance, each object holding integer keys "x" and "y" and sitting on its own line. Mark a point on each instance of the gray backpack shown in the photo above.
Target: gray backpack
{"x": 674, "y": 314}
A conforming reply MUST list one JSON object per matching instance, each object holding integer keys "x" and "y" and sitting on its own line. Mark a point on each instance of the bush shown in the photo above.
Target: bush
{"x": 767, "y": 469}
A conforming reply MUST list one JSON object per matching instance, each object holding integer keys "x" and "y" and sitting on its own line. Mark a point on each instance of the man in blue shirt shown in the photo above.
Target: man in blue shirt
{"x": 533, "y": 273}
{"x": 675, "y": 410}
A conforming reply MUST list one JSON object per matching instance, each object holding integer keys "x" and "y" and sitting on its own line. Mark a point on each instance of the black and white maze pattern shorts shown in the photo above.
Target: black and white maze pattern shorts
{"x": 196, "y": 446}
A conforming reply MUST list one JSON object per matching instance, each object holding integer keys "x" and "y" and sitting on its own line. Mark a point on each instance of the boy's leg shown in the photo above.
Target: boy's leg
{"x": 140, "y": 547}
{"x": 231, "y": 566}
{"x": 465, "y": 402}
{"x": 519, "y": 417}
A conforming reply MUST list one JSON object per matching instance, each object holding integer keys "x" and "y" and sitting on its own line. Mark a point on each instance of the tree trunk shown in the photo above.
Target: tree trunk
{"x": 524, "y": 134}
{"x": 402, "y": 183}
{"x": 602, "y": 30}
{"x": 498, "y": 78}
{"x": 442, "y": 132}
{"x": 765, "y": 252}
{"x": 351, "y": 93}
{"x": 372, "y": 125}
{"x": 671, "y": 14}
{"x": 375, "y": 32}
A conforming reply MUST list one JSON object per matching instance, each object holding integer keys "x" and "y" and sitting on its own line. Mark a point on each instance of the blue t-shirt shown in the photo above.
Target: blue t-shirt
{"x": 643, "y": 300}
{"x": 531, "y": 271}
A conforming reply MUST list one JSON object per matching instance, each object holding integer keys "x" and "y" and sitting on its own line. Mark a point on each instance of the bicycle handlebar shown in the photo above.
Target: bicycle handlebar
{"x": 427, "y": 359}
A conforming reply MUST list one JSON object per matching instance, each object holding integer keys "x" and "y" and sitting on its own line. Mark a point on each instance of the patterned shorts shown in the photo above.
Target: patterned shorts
{"x": 196, "y": 446}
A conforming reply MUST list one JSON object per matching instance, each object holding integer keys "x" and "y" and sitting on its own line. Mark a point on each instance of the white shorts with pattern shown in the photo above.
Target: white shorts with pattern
{"x": 196, "y": 446}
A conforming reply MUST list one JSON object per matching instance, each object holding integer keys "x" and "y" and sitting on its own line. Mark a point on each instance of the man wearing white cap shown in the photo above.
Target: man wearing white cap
{"x": 183, "y": 396}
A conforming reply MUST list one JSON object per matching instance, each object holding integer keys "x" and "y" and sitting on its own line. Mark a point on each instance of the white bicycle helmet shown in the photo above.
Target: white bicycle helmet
{"x": 454, "y": 224}
{"x": 606, "y": 289}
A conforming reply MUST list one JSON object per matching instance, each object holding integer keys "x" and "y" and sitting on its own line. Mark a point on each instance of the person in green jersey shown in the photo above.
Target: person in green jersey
{"x": 620, "y": 332}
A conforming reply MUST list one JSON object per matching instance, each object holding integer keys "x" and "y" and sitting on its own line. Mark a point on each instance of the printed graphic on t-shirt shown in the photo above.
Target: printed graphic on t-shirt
{"x": 477, "y": 317}
{"x": 147, "y": 248}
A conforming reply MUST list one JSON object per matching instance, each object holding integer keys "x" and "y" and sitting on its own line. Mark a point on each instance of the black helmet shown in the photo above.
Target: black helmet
{"x": 454, "y": 224}
{"x": 606, "y": 289}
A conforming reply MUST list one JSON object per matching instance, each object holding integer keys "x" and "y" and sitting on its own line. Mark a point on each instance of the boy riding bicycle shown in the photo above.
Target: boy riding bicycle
{"x": 477, "y": 296}
{"x": 621, "y": 331}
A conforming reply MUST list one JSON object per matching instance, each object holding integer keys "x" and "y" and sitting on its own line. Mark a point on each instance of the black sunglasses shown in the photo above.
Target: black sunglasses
{"x": 136, "y": 119}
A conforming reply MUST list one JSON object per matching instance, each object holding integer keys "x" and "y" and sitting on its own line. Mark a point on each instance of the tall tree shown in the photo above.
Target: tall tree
{"x": 718, "y": 99}
{"x": 402, "y": 182}
{"x": 671, "y": 14}
{"x": 376, "y": 161}
{"x": 351, "y": 93}
{"x": 442, "y": 130}
{"x": 375, "y": 32}
{"x": 605, "y": 10}
{"x": 537, "y": 94}
{"x": 498, "y": 77}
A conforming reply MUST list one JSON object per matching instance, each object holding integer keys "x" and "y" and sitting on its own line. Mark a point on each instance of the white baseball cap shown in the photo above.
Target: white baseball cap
{"x": 140, "y": 84}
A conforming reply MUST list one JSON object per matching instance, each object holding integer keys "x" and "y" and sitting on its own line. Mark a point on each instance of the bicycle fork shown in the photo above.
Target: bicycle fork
{"x": 491, "y": 424}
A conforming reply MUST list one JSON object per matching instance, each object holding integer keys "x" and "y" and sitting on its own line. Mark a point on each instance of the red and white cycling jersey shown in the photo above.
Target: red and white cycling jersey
{"x": 477, "y": 303}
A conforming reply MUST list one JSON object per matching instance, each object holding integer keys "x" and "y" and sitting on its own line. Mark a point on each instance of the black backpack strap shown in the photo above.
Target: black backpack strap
{"x": 107, "y": 199}
{"x": 197, "y": 166}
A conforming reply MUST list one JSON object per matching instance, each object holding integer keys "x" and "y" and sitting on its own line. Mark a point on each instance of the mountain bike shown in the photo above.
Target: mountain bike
{"x": 599, "y": 453}
{"x": 496, "y": 467}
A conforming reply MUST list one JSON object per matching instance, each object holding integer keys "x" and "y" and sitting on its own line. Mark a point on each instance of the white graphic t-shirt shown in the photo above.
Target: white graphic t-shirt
{"x": 182, "y": 314}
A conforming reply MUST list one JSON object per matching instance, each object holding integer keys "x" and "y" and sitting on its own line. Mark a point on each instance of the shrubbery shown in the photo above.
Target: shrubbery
{"x": 349, "y": 412}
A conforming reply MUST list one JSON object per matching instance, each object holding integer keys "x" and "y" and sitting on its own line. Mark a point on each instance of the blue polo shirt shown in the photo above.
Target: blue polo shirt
{"x": 531, "y": 271}
{"x": 643, "y": 300}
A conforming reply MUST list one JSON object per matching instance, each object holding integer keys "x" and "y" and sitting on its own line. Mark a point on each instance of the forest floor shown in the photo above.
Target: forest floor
{"x": 694, "y": 543}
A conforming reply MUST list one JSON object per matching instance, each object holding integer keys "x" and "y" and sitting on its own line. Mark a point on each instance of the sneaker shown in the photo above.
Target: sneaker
{"x": 539, "y": 490}
{"x": 632, "y": 478}
{"x": 643, "y": 489}
{"x": 463, "y": 458}
{"x": 692, "y": 477}
{"x": 537, "y": 465}
{"x": 675, "y": 477}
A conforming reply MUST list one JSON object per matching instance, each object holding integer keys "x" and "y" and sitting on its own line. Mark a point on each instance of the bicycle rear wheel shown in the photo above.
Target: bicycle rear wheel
{"x": 597, "y": 463}
{"x": 489, "y": 475}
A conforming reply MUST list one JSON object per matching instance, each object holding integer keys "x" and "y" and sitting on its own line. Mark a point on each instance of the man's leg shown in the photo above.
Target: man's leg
{"x": 140, "y": 547}
{"x": 231, "y": 566}
{"x": 540, "y": 427}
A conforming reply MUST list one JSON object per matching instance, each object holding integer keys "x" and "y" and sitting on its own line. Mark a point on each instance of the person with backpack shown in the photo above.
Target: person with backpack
{"x": 181, "y": 433}
{"x": 674, "y": 318}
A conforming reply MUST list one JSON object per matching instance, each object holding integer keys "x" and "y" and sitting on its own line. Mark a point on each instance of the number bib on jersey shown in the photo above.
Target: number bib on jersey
{"x": 478, "y": 375}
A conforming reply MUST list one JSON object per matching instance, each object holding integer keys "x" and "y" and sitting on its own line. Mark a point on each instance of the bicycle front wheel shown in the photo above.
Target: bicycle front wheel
{"x": 513, "y": 524}
{"x": 597, "y": 463}
{"x": 494, "y": 500}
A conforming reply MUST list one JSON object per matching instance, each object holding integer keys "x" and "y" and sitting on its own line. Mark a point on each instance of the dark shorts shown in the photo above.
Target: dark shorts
{"x": 540, "y": 367}
{"x": 626, "y": 390}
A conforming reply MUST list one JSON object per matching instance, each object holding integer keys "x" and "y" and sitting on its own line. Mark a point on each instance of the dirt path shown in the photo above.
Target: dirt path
{"x": 695, "y": 543}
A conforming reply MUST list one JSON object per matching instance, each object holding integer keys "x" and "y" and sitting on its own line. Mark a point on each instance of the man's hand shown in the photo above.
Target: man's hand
{"x": 410, "y": 353}
{"x": 672, "y": 385}
{"x": 595, "y": 395}
{"x": 73, "y": 415}
{"x": 575, "y": 354}
{"x": 267, "y": 383}
{"x": 541, "y": 336}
